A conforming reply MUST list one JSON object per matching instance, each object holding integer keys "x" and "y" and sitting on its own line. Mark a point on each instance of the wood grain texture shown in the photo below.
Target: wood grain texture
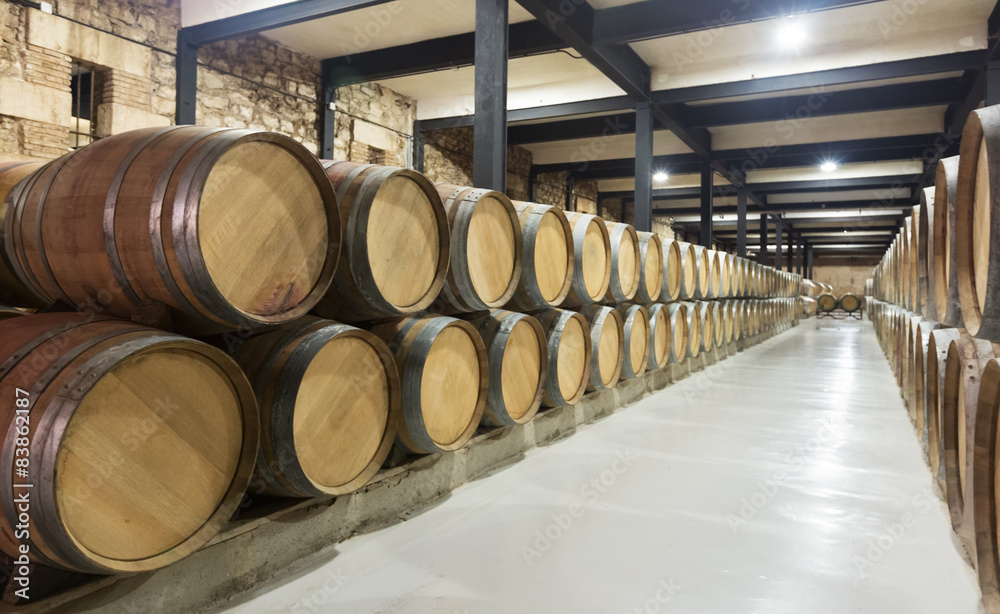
{"x": 694, "y": 324}
{"x": 652, "y": 273}
{"x": 673, "y": 272}
{"x": 592, "y": 268}
{"x": 678, "y": 332}
{"x": 486, "y": 249}
{"x": 12, "y": 290}
{"x": 143, "y": 442}
{"x": 397, "y": 245}
{"x": 626, "y": 262}
{"x": 119, "y": 223}
{"x": 607, "y": 338}
{"x": 949, "y": 308}
{"x": 569, "y": 357}
{"x": 516, "y": 349}
{"x": 636, "y": 335}
{"x": 660, "y": 336}
{"x": 547, "y": 263}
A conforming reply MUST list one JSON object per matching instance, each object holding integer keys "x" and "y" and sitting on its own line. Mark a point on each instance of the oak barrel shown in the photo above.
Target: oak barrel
{"x": 673, "y": 271}
{"x": 694, "y": 324}
{"x": 12, "y": 291}
{"x": 986, "y": 456}
{"x": 938, "y": 345}
{"x": 607, "y": 339}
{"x": 230, "y": 228}
{"x": 329, "y": 398}
{"x": 827, "y": 302}
{"x": 967, "y": 357}
{"x": 141, "y": 442}
{"x": 486, "y": 247}
{"x": 591, "y": 260}
{"x": 690, "y": 277}
{"x": 7, "y": 313}
{"x": 719, "y": 323}
{"x": 397, "y": 244}
{"x": 635, "y": 357}
{"x": 547, "y": 263}
{"x": 977, "y": 228}
{"x": 678, "y": 332}
{"x": 444, "y": 373}
{"x": 626, "y": 262}
{"x": 651, "y": 272}
{"x": 516, "y": 351}
{"x": 949, "y": 307}
{"x": 849, "y": 302}
{"x": 660, "y": 336}
{"x": 925, "y": 257}
{"x": 569, "y": 351}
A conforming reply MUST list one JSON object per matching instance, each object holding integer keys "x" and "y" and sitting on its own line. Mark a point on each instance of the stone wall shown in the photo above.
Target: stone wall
{"x": 843, "y": 277}
{"x": 448, "y": 159}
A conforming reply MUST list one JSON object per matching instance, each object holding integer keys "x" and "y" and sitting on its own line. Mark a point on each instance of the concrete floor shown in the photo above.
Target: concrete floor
{"x": 785, "y": 479}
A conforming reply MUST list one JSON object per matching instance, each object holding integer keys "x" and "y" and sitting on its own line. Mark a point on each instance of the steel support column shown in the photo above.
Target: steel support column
{"x": 187, "y": 79}
{"x": 707, "y": 202}
{"x": 762, "y": 255}
{"x": 643, "y": 166}
{"x": 741, "y": 223}
{"x": 809, "y": 264}
{"x": 778, "y": 256}
{"x": 993, "y": 83}
{"x": 803, "y": 247}
{"x": 489, "y": 152}
{"x": 791, "y": 252}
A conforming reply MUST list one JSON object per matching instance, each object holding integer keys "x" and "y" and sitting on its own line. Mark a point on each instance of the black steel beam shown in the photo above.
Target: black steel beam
{"x": 887, "y": 181}
{"x": 676, "y": 193}
{"x": 806, "y": 106}
{"x": 643, "y": 167}
{"x": 741, "y": 223}
{"x": 573, "y": 22}
{"x": 489, "y": 157}
{"x": 279, "y": 16}
{"x": 186, "y": 102}
{"x": 583, "y": 107}
{"x": 793, "y": 207}
{"x": 527, "y": 38}
{"x": 762, "y": 254}
{"x": 676, "y": 164}
{"x": 778, "y": 231}
{"x": 838, "y": 76}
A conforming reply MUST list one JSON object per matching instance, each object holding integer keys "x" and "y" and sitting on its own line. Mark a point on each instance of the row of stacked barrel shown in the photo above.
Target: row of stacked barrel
{"x": 341, "y": 308}
{"x": 933, "y": 301}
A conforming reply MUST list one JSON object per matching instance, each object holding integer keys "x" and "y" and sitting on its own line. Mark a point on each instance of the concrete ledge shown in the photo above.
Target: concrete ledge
{"x": 282, "y": 539}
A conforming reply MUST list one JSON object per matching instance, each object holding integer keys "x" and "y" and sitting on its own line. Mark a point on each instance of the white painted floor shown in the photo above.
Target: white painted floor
{"x": 784, "y": 480}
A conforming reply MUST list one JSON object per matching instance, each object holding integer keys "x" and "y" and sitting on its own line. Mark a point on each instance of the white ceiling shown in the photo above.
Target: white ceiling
{"x": 852, "y": 36}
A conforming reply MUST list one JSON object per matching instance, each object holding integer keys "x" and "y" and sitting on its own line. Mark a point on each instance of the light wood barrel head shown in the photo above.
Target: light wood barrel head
{"x": 694, "y": 330}
{"x": 672, "y": 271}
{"x": 451, "y": 385}
{"x": 145, "y": 462}
{"x": 596, "y": 261}
{"x": 521, "y": 372}
{"x": 263, "y": 228}
{"x": 639, "y": 342}
{"x": 652, "y": 264}
{"x": 981, "y": 229}
{"x": 704, "y": 266}
{"x": 572, "y": 362}
{"x": 679, "y": 334}
{"x": 610, "y": 348}
{"x": 660, "y": 336}
{"x": 492, "y": 248}
{"x": 553, "y": 256}
{"x": 403, "y": 240}
{"x": 628, "y": 262}
{"x": 341, "y": 411}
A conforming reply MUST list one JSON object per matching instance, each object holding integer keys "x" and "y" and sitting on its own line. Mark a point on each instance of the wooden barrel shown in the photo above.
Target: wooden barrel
{"x": 230, "y": 228}
{"x": 706, "y": 310}
{"x": 714, "y": 287}
{"x": 728, "y": 311}
{"x": 938, "y": 344}
{"x": 444, "y": 372}
{"x": 673, "y": 271}
{"x": 568, "y": 341}
{"x": 725, "y": 275}
{"x": 142, "y": 442}
{"x": 913, "y": 299}
{"x": 516, "y": 351}
{"x": 977, "y": 229}
{"x": 718, "y": 323}
{"x": 660, "y": 336}
{"x": 678, "y": 332}
{"x": 736, "y": 316}
{"x": 690, "y": 279}
{"x": 607, "y": 339}
{"x": 910, "y": 326}
{"x": 397, "y": 244}
{"x": 849, "y": 302}
{"x": 949, "y": 307}
{"x": 827, "y": 302}
{"x": 918, "y": 375}
{"x": 967, "y": 357}
{"x": 591, "y": 260}
{"x": 486, "y": 246}
{"x": 703, "y": 268}
{"x": 635, "y": 355}
{"x": 986, "y": 457}
{"x": 694, "y": 326}
{"x": 329, "y": 398}
{"x": 626, "y": 262}
{"x": 547, "y": 267}
{"x": 925, "y": 256}
{"x": 12, "y": 291}
{"x": 652, "y": 271}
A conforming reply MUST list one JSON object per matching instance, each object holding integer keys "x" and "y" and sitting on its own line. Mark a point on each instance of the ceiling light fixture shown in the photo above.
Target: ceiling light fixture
{"x": 792, "y": 35}
{"x": 828, "y": 167}
{"x": 660, "y": 177}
